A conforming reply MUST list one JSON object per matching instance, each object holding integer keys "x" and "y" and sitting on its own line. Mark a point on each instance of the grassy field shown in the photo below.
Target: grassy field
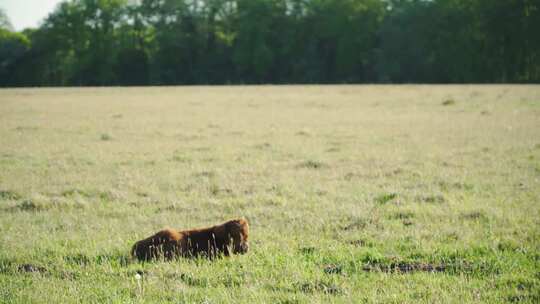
{"x": 355, "y": 194}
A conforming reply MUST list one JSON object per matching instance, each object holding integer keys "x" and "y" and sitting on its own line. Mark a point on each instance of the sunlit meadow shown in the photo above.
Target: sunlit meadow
{"x": 355, "y": 194}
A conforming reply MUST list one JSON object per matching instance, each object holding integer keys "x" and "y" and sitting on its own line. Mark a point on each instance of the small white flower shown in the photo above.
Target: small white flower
{"x": 137, "y": 277}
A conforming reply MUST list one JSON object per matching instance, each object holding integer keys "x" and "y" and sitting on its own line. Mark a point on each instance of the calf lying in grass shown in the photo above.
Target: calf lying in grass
{"x": 224, "y": 239}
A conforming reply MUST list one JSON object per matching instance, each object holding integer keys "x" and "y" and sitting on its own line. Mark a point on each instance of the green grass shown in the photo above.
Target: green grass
{"x": 362, "y": 194}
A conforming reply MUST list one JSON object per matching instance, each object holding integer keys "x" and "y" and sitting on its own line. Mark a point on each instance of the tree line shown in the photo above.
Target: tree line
{"x": 171, "y": 42}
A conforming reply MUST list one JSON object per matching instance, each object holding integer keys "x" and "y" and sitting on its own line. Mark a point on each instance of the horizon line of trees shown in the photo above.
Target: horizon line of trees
{"x": 183, "y": 42}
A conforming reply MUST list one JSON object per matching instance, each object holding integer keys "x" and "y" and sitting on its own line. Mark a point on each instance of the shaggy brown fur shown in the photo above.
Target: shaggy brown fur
{"x": 227, "y": 238}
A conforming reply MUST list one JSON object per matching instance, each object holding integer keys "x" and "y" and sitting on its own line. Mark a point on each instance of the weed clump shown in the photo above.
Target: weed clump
{"x": 431, "y": 199}
{"x": 385, "y": 198}
{"x": 448, "y": 186}
{"x": 110, "y": 195}
{"x": 308, "y": 250}
{"x": 77, "y": 259}
{"x": 449, "y": 102}
{"x": 474, "y": 216}
{"x": 9, "y": 195}
{"x": 320, "y": 286}
{"x": 117, "y": 258}
{"x": 406, "y": 215}
{"x": 263, "y": 146}
{"x": 405, "y": 267}
{"x": 355, "y": 224}
{"x": 312, "y": 164}
{"x": 207, "y": 174}
{"x": 106, "y": 137}
{"x": 181, "y": 159}
{"x": 191, "y": 280}
{"x": 30, "y": 205}
{"x": 333, "y": 269}
{"x": 361, "y": 243}
{"x": 31, "y": 268}
{"x": 408, "y": 223}
{"x": 454, "y": 263}
{"x": 41, "y": 203}
{"x": 304, "y": 132}
{"x": 26, "y": 128}
{"x": 349, "y": 176}
{"x": 75, "y": 193}
{"x": 6, "y": 265}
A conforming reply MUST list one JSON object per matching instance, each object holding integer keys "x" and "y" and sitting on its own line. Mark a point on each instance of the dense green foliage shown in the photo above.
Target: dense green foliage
{"x": 119, "y": 42}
